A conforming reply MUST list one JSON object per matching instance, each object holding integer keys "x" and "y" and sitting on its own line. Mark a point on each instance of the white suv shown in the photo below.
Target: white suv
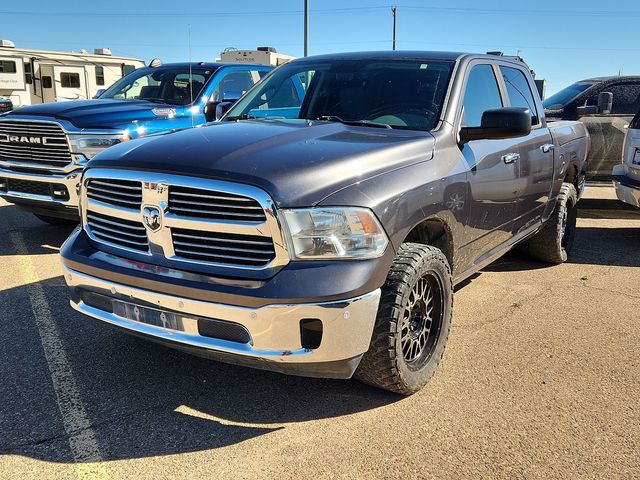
{"x": 626, "y": 177}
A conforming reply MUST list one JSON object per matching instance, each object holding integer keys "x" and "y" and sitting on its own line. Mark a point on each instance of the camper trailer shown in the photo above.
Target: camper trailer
{"x": 260, "y": 56}
{"x": 29, "y": 77}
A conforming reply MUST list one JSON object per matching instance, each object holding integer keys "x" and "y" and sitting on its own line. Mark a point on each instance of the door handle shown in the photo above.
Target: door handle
{"x": 510, "y": 158}
{"x": 547, "y": 147}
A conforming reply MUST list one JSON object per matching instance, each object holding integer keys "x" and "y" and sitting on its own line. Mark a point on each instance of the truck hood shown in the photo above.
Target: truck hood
{"x": 92, "y": 114}
{"x": 297, "y": 162}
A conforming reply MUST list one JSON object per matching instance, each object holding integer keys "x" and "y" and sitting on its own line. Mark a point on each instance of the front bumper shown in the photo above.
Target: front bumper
{"x": 627, "y": 188}
{"x": 49, "y": 194}
{"x": 275, "y": 341}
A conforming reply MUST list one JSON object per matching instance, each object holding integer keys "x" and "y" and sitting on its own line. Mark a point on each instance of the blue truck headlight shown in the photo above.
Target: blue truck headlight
{"x": 334, "y": 233}
{"x": 90, "y": 145}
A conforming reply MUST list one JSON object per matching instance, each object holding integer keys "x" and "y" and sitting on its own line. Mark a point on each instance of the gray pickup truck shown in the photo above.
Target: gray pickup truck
{"x": 322, "y": 233}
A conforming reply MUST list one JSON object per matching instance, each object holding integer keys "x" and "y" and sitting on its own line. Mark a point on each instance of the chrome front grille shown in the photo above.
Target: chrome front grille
{"x": 193, "y": 202}
{"x": 34, "y": 143}
{"x": 117, "y": 231}
{"x": 121, "y": 193}
{"x": 181, "y": 220}
{"x": 223, "y": 248}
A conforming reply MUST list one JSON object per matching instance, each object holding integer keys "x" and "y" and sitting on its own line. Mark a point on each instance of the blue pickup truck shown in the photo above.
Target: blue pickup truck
{"x": 44, "y": 148}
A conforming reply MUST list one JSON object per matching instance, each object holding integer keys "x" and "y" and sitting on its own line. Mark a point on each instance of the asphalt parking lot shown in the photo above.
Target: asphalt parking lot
{"x": 541, "y": 379}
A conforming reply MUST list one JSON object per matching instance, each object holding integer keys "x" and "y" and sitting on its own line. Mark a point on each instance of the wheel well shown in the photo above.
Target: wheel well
{"x": 572, "y": 176}
{"x": 436, "y": 233}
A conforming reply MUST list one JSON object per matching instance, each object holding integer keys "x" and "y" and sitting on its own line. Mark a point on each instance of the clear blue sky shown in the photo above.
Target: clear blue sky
{"x": 563, "y": 41}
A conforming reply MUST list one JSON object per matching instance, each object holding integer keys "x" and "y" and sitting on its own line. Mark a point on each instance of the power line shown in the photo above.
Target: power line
{"x": 538, "y": 12}
{"x": 194, "y": 15}
{"x": 430, "y": 10}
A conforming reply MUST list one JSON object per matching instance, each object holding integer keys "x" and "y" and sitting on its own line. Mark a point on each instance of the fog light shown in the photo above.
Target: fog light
{"x": 310, "y": 333}
{"x": 60, "y": 192}
{"x": 3, "y": 184}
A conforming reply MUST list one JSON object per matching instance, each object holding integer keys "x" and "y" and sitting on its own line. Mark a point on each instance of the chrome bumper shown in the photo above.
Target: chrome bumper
{"x": 626, "y": 193}
{"x": 274, "y": 330}
{"x": 70, "y": 180}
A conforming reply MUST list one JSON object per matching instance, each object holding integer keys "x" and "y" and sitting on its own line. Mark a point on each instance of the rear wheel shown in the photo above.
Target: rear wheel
{"x": 413, "y": 322}
{"x": 553, "y": 243}
{"x": 55, "y": 220}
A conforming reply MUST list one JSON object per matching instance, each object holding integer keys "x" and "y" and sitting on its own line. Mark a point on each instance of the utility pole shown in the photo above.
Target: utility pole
{"x": 306, "y": 27}
{"x": 393, "y": 12}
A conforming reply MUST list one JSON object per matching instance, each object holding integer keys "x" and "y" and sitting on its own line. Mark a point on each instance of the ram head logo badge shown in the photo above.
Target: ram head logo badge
{"x": 152, "y": 218}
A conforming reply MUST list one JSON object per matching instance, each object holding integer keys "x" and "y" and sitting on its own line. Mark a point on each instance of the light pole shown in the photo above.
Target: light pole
{"x": 393, "y": 12}
{"x": 306, "y": 27}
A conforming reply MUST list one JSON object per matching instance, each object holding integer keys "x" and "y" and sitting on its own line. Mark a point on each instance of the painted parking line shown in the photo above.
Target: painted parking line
{"x": 82, "y": 440}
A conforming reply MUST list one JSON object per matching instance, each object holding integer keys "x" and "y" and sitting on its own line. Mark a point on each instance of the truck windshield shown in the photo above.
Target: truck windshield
{"x": 169, "y": 85}
{"x": 404, "y": 94}
{"x": 564, "y": 96}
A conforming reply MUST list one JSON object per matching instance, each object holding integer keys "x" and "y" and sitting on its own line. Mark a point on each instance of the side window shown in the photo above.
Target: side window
{"x": 481, "y": 94}
{"x": 69, "y": 80}
{"x": 46, "y": 82}
{"x": 232, "y": 86}
{"x": 7, "y": 66}
{"x": 28, "y": 74}
{"x": 99, "y": 75}
{"x": 519, "y": 91}
{"x": 127, "y": 69}
{"x": 626, "y": 98}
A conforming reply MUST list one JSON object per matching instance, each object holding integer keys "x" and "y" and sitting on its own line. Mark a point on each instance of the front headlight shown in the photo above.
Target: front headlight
{"x": 90, "y": 145}
{"x": 334, "y": 233}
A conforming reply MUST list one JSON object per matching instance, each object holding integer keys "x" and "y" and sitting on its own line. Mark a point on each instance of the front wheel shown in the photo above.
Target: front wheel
{"x": 413, "y": 322}
{"x": 553, "y": 243}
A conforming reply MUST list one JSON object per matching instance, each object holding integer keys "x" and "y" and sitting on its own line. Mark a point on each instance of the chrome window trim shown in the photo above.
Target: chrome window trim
{"x": 155, "y": 193}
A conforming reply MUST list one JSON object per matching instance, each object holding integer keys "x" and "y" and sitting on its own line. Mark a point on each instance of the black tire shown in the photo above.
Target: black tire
{"x": 393, "y": 362}
{"x": 553, "y": 243}
{"x": 56, "y": 220}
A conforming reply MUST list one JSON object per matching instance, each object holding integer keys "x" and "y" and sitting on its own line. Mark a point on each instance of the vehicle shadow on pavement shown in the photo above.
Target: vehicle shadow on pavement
{"x": 615, "y": 246}
{"x": 143, "y": 399}
{"x": 41, "y": 237}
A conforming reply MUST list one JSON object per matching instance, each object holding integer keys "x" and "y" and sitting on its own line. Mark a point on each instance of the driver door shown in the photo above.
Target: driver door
{"x": 493, "y": 166}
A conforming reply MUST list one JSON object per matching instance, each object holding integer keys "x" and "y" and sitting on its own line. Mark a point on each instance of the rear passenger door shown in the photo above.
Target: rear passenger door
{"x": 493, "y": 169}
{"x": 535, "y": 172}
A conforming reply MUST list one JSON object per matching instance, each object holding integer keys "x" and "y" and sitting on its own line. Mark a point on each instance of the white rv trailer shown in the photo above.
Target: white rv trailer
{"x": 260, "y": 56}
{"x": 38, "y": 76}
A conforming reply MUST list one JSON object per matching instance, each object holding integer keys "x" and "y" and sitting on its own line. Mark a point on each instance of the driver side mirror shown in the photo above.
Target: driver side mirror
{"x": 604, "y": 107}
{"x": 99, "y": 92}
{"x": 499, "y": 124}
{"x": 214, "y": 111}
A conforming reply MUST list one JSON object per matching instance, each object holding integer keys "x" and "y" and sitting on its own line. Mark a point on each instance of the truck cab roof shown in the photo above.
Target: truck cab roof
{"x": 615, "y": 78}
{"x": 400, "y": 54}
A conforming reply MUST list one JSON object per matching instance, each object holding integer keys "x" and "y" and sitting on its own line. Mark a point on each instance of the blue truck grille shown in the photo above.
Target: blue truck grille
{"x": 33, "y": 143}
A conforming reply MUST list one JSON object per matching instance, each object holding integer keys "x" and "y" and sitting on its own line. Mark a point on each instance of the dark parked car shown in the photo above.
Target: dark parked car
{"x": 322, "y": 235}
{"x": 6, "y": 105}
{"x": 606, "y": 117}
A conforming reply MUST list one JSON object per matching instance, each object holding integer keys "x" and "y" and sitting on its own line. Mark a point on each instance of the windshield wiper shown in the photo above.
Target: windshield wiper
{"x": 244, "y": 116}
{"x": 154, "y": 100}
{"x": 363, "y": 123}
